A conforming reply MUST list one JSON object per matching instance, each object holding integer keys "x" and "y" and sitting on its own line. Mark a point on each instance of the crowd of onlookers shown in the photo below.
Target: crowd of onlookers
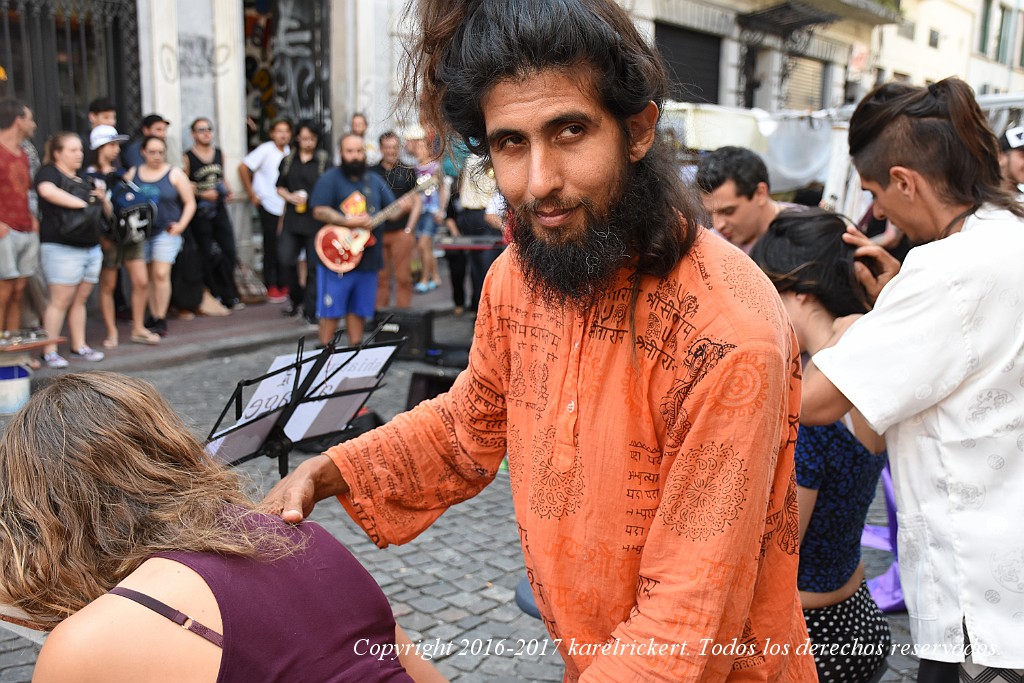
{"x": 297, "y": 189}
{"x": 59, "y": 219}
{"x": 61, "y": 216}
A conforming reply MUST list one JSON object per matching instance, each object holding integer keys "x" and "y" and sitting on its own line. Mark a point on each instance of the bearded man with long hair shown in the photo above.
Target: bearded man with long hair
{"x": 640, "y": 373}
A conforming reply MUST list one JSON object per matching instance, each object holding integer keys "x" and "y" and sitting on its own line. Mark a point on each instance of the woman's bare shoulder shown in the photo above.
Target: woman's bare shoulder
{"x": 114, "y": 639}
{"x": 85, "y": 647}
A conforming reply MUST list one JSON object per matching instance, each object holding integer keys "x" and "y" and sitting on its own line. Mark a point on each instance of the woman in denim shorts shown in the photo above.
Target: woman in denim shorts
{"x": 171, "y": 191}
{"x": 71, "y": 266}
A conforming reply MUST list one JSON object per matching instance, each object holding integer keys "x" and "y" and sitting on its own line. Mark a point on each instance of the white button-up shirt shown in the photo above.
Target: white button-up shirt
{"x": 938, "y": 367}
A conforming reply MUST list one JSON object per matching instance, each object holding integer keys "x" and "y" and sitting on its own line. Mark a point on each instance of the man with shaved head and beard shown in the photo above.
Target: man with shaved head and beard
{"x": 639, "y": 372}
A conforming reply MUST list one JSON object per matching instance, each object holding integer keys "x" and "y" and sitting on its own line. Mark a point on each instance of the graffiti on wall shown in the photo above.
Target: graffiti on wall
{"x": 261, "y": 105}
{"x": 286, "y": 73}
{"x": 200, "y": 57}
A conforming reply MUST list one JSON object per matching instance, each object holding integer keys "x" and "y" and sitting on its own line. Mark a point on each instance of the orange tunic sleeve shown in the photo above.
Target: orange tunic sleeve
{"x": 707, "y": 601}
{"x": 404, "y": 475}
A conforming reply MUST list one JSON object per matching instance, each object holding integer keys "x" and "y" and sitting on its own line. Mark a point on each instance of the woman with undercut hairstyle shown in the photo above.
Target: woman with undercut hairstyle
{"x": 837, "y": 465}
{"x": 937, "y": 366}
{"x": 148, "y": 563}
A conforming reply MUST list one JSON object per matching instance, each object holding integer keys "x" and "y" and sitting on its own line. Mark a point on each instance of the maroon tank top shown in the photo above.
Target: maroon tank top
{"x": 302, "y": 618}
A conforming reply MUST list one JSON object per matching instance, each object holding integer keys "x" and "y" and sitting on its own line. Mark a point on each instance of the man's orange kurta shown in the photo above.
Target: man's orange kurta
{"x": 651, "y": 469}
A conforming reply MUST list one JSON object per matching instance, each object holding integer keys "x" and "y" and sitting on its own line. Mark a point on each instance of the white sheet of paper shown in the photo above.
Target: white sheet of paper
{"x": 244, "y": 441}
{"x": 274, "y": 392}
{"x": 317, "y": 418}
{"x": 361, "y": 373}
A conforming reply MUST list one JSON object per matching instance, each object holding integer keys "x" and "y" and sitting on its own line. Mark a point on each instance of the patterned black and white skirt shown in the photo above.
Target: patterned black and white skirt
{"x": 850, "y": 640}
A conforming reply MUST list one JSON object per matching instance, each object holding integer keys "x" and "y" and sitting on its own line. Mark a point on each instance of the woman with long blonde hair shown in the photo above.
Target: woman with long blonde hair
{"x": 148, "y": 562}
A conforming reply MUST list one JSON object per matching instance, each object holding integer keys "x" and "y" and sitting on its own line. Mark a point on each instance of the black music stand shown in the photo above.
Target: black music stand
{"x": 315, "y": 396}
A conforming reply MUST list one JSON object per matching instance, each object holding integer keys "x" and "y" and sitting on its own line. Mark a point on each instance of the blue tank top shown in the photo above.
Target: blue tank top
{"x": 310, "y": 617}
{"x": 165, "y": 196}
{"x": 845, "y": 474}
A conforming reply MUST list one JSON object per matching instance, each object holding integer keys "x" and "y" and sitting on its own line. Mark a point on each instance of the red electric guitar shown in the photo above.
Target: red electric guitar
{"x": 341, "y": 249}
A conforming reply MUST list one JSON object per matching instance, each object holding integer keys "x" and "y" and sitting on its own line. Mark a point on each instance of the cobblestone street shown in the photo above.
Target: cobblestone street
{"x": 452, "y": 588}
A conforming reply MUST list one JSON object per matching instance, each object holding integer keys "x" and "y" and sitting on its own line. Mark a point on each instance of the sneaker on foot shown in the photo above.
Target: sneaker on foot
{"x": 422, "y": 287}
{"x": 87, "y": 353}
{"x": 55, "y": 360}
{"x": 276, "y": 296}
{"x": 158, "y": 326}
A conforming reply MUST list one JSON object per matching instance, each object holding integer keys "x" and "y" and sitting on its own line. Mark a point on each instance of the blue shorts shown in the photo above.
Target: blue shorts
{"x": 163, "y": 247}
{"x": 70, "y": 266}
{"x": 426, "y": 225}
{"x": 338, "y": 295}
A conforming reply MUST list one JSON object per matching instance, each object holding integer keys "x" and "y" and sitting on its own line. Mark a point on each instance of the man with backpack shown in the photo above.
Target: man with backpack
{"x": 105, "y": 145}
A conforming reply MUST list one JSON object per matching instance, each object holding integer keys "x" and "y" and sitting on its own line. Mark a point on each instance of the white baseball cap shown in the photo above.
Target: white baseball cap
{"x": 103, "y": 134}
{"x": 415, "y": 132}
{"x": 1012, "y": 139}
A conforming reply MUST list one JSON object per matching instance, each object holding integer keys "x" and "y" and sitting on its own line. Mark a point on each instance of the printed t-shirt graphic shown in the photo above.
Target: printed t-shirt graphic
{"x": 354, "y": 204}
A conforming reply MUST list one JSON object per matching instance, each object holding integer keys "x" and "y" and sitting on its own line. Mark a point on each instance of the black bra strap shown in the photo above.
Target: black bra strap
{"x": 170, "y": 613}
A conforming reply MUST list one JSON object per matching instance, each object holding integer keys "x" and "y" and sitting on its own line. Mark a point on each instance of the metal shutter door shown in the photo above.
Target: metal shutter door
{"x": 806, "y": 79}
{"x": 693, "y": 63}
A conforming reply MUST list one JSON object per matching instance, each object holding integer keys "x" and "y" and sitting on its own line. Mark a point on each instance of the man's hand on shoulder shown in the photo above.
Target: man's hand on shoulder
{"x": 293, "y": 497}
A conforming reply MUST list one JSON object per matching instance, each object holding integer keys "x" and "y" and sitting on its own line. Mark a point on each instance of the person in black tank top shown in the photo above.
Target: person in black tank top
{"x": 211, "y": 227}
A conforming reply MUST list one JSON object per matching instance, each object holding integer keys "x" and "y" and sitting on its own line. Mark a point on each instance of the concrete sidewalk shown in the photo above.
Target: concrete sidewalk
{"x": 255, "y": 326}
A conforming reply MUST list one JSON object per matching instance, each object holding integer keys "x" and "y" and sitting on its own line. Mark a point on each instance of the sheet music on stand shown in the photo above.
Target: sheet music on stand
{"x": 302, "y": 397}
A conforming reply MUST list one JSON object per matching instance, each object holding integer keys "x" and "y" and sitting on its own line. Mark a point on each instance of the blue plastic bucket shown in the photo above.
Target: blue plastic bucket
{"x": 14, "y": 388}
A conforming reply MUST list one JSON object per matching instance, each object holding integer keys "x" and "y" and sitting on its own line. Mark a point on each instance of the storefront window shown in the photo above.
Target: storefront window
{"x": 58, "y": 59}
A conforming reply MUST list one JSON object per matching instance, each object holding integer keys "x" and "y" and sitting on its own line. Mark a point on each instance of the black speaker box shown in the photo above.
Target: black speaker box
{"x": 426, "y": 385}
{"x": 416, "y": 325}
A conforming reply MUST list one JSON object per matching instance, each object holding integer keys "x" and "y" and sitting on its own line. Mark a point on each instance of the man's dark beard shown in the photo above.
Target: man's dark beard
{"x": 577, "y": 272}
{"x": 353, "y": 169}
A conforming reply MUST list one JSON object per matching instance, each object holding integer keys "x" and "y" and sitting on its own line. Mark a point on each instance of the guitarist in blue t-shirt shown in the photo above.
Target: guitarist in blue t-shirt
{"x": 345, "y": 198}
